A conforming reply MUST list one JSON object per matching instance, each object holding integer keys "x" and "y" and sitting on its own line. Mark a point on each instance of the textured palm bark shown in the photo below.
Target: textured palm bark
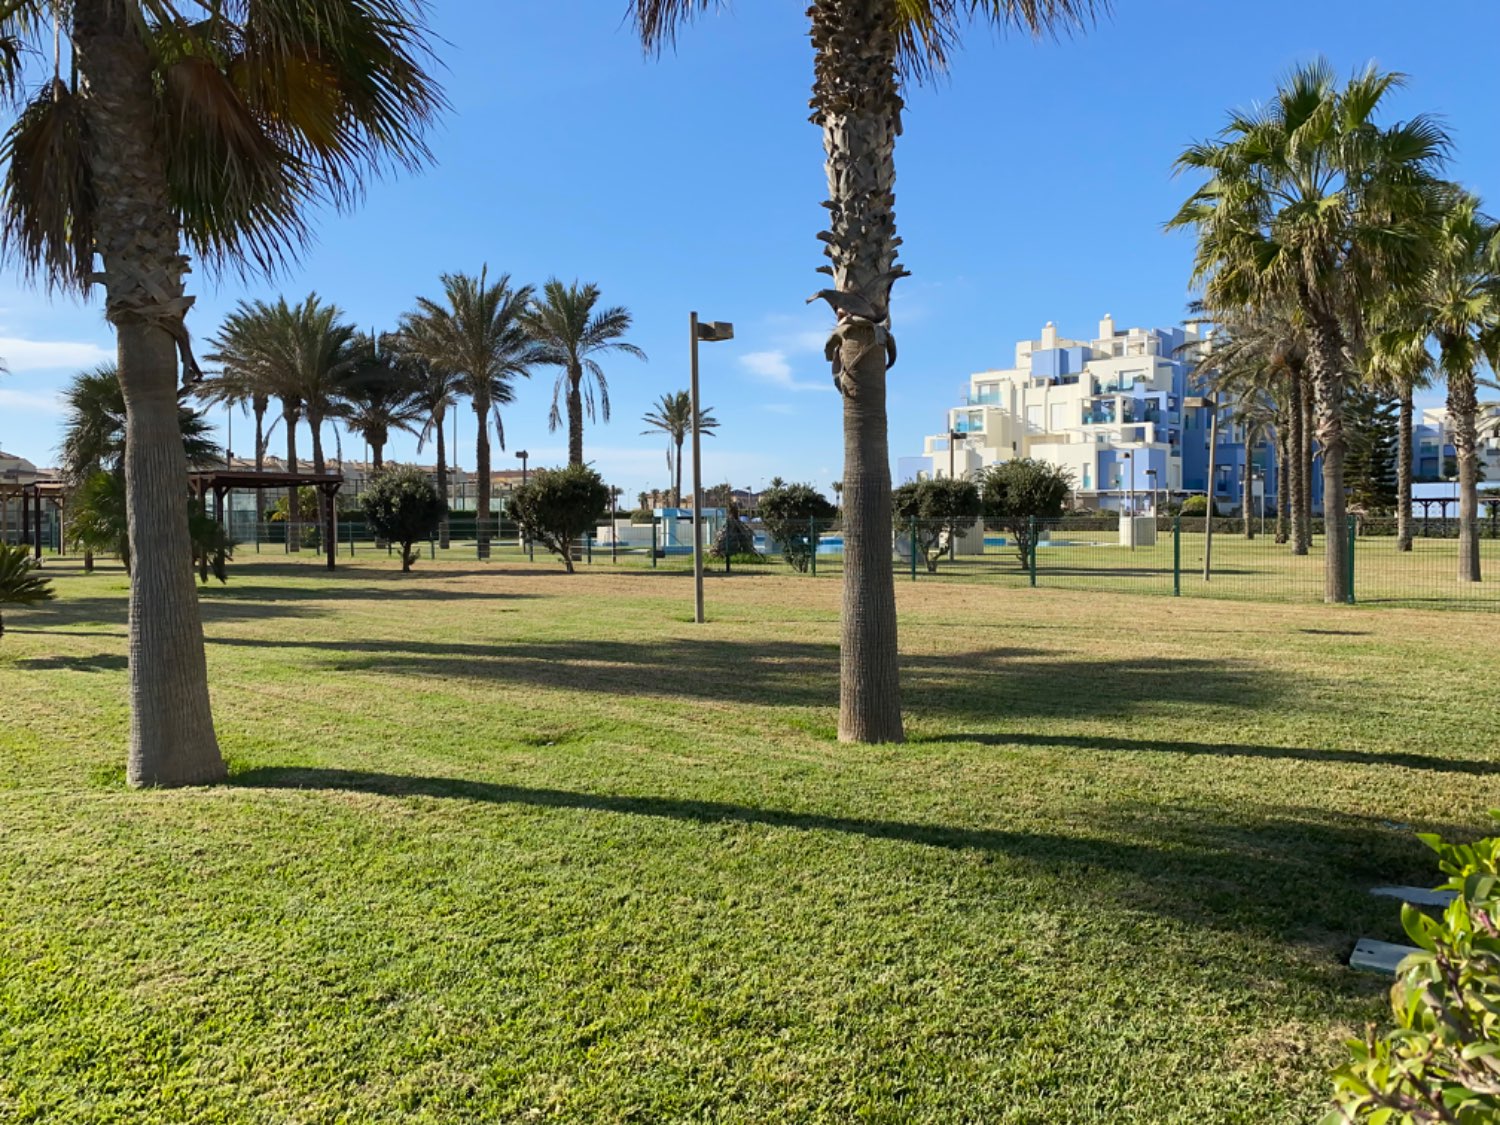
{"x": 677, "y": 467}
{"x": 857, "y": 103}
{"x": 482, "y": 474}
{"x": 172, "y": 740}
{"x": 442, "y": 479}
{"x": 1247, "y": 495}
{"x": 1296, "y": 464}
{"x": 1404, "y": 471}
{"x": 1283, "y": 486}
{"x": 320, "y": 466}
{"x": 1463, "y": 409}
{"x": 260, "y": 406}
{"x": 1329, "y": 384}
{"x": 575, "y": 417}
{"x": 291, "y": 412}
{"x": 1304, "y": 497}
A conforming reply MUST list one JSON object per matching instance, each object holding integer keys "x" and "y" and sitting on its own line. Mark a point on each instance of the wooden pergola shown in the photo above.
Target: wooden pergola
{"x": 221, "y": 482}
{"x": 33, "y": 494}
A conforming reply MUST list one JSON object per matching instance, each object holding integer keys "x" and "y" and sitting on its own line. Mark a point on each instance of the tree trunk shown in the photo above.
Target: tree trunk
{"x": 1463, "y": 410}
{"x": 315, "y": 423}
{"x": 1404, "y": 471}
{"x": 575, "y": 419}
{"x": 677, "y": 490}
{"x": 1330, "y": 385}
{"x": 482, "y": 474}
{"x": 289, "y": 415}
{"x": 1308, "y": 428}
{"x": 377, "y": 462}
{"x": 172, "y": 740}
{"x": 1247, "y": 492}
{"x": 858, "y": 105}
{"x": 1283, "y": 491}
{"x": 1296, "y": 464}
{"x": 260, "y": 406}
{"x": 442, "y": 478}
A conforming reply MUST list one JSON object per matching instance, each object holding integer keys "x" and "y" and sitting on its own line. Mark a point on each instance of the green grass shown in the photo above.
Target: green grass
{"x": 505, "y": 845}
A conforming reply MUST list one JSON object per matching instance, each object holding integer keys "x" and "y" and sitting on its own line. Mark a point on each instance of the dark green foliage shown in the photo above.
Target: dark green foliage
{"x": 642, "y": 515}
{"x": 558, "y": 506}
{"x": 1195, "y": 506}
{"x": 20, "y": 582}
{"x": 1020, "y": 492}
{"x": 789, "y": 513}
{"x": 97, "y": 523}
{"x": 403, "y": 506}
{"x": 1442, "y": 1064}
{"x": 735, "y": 539}
{"x": 1372, "y": 429}
{"x": 936, "y": 511}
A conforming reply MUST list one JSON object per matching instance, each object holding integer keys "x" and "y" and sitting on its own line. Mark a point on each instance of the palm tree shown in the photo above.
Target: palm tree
{"x": 235, "y": 388}
{"x": 437, "y": 390}
{"x": 1457, "y": 303}
{"x": 178, "y": 130}
{"x": 476, "y": 332}
{"x": 1309, "y": 200}
{"x": 379, "y": 393}
{"x": 863, "y": 50}
{"x": 21, "y": 580}
{"x": 672, "y": 414}
{"x": 1400, "y": 363}
{"x": 570, "y": 334}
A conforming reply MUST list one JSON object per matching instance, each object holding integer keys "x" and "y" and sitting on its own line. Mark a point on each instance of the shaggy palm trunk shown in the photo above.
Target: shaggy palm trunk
{"x": 442, "y": 479}
{"x": 482, "y": 473}
{"x": 1283, "y": 491}
{"x": 289, "y": 414}
{"x": 1463, "y": 409}
{"x": 1296, "y": 465}
{"x": 1330, "y": 385}
{"x": 1404, "y": 471}
{"x": 575, "y": 419}
{"x": 315, "y": 424}
{"x": 857, "y": 103}
{"x": 1304, "y": 497}
{"x": 677, "y": 483}
{"x": 172, "y": 740}
{"x": 1247, "y": 494}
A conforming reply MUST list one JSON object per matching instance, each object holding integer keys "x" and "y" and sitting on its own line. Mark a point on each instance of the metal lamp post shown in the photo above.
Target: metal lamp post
{"x": 709, "y": 331}
{"x": 522, "y": 456}
{"x": 1205, "y": 401}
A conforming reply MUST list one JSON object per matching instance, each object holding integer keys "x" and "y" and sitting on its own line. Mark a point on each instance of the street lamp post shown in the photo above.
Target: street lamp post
{"x": 1151, "y": 476}
{"x": 709, "y": 331}
{"x": 1212, "y": 404}
{"x": 522, "y": 456}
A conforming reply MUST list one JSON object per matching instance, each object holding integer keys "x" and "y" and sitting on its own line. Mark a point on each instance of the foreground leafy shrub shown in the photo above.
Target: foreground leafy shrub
{"x": 1442, "y": 1063}
{"x": 790, "y": 513}
{"x": 558, "y": 506}
{"x": 932, "y": 510}
{"x": 401, "y": 505}
{"x": 21, "y": 582}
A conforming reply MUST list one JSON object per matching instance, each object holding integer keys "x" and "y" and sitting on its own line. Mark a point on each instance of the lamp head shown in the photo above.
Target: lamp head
{"x": 713, "y": 331}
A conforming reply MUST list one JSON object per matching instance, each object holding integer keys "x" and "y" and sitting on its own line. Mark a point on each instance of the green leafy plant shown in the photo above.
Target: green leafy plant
{"x": 1442, "y": 1062}
{"x": 20, "y": 582}
{"x": 402, "y": 505}
{"x": 934, "y": 512}
{"x": 559, "y": 505}
{"x": 1018, "y": 493}
{"x": 790, "y": 513}
{"x": 97, "y": 523}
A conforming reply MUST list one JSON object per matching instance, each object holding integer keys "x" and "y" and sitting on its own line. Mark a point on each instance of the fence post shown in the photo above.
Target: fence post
{"x": 588, "y": 547}
{"x": 1353, "y": 540}
{"x": 653, "y": 542}
{"x": 1177, "y": 556}
{"x": 432, "y": 548}
{"x": 1034, "y": 533}
{"x": 812, "y": 542}
{"x": 912, "y": 548}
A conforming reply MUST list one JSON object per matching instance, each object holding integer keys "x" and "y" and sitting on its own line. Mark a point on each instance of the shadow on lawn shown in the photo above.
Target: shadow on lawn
{"x": 1303, "y": 876}
{"x": 990, "y": 683}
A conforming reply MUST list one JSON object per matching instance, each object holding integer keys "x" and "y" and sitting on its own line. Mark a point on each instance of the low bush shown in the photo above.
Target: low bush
{"x": 558, "y": 506}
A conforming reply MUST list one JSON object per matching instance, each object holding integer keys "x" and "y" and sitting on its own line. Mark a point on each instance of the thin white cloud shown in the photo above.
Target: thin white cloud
{"x": 779, "y": 407}
{"x": 774, "y": 368}
{"x": 27, "y": 400}
{"x": 20, "y": 354}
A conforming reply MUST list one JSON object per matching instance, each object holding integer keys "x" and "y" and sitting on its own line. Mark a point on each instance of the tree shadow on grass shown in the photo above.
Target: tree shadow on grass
{"x": 100, "y": 662}
{"x": 1302, "y": 876}
{"x": 1110, "y": 744}
{"x": 982, "y": 684}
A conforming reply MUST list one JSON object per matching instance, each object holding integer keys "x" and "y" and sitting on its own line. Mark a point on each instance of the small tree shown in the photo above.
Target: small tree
{"x": 735, "y": 539}
{"x": 790, "y": 512}
{"x": 401, "y": 505}
{"x": 934, "y": 513}
{"x": 559, "y": 505}
{"x": 1020, "y": 492}
{"x": 20, "y": 584}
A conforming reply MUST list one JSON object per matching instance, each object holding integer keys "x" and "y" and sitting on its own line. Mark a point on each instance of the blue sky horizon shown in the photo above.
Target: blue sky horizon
{"x": 1032, "y": 184}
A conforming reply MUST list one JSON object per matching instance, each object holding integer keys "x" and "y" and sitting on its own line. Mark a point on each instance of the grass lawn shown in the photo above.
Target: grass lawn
{"x": 502, "y": 845}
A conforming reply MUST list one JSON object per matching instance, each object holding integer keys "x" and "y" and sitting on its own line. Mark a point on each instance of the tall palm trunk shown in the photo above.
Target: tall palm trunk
{"x": 260, "y": 404}
{"x": 1297, "y": 463}
{"x": 442, "y": 477}
{"x": 1283, "y": 490}
{"x": 857, "y": 103}
{"x": 1404, "y": 470}
{"x": 1306, "y": 456}
{"x": 1463, "y": 409}
{"x": 291, "y": 409}
{"x": 1247, "y": 492}
{"x": 172, "y": 740}
{"x": 378, "y": 438}
{"x": 482, "y": 472}
{"x": 315, "y": 424}
{"x": 575, "y": 419}
{"x": 677, "y": 490}
{"x": 1329, "y": 386}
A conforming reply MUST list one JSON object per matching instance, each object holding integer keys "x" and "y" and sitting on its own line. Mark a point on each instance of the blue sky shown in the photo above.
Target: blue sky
{"x": 1032, "y": 185}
